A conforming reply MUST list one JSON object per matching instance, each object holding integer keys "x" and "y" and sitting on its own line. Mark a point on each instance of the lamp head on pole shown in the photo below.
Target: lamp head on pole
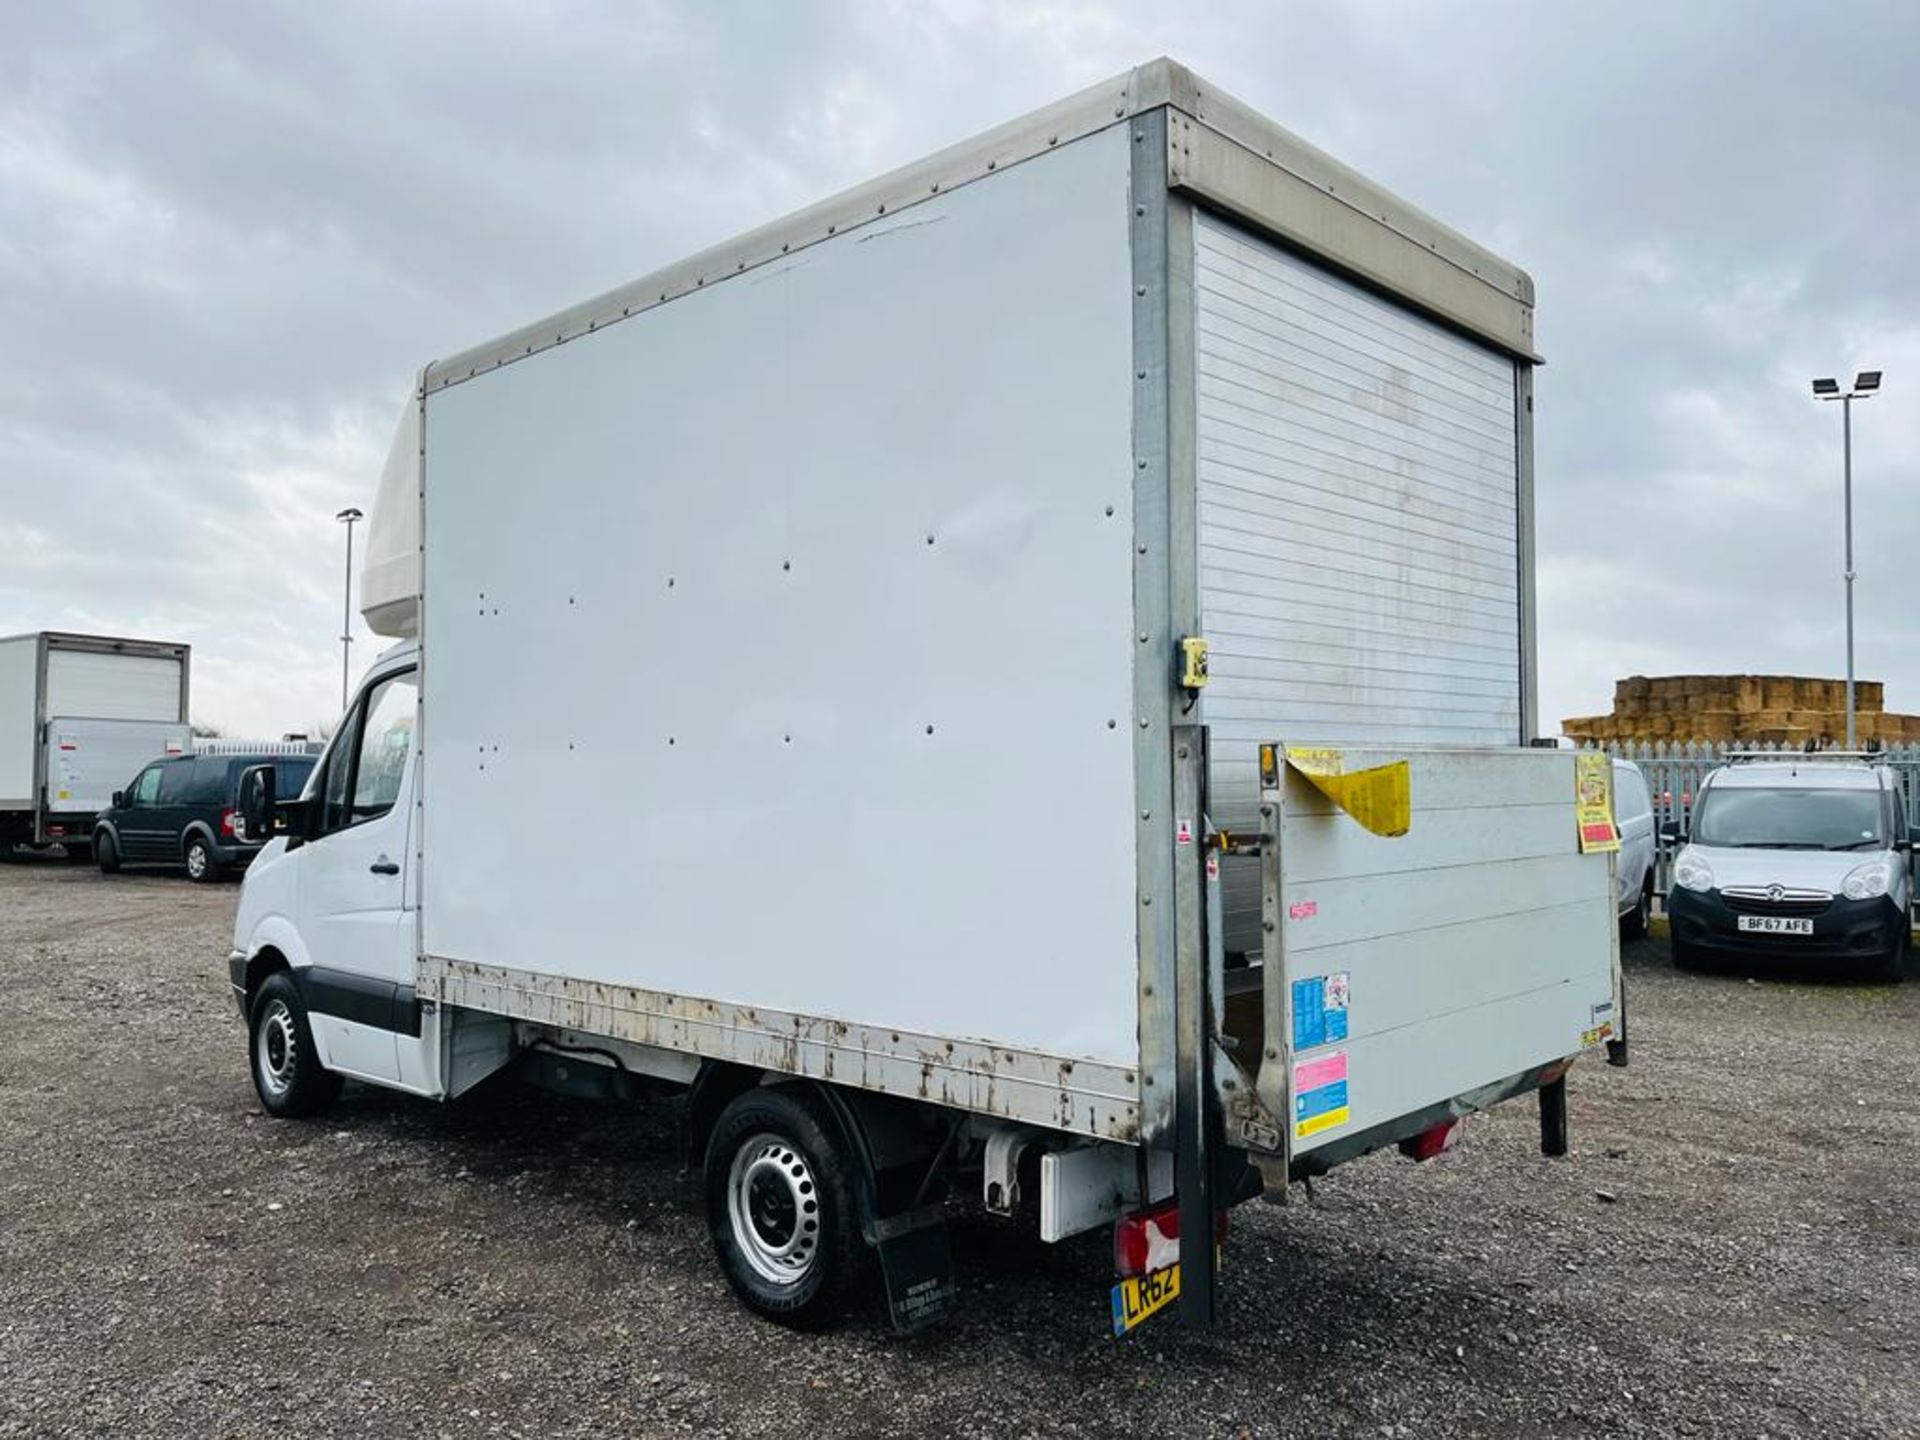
{"x": 1864, "y": 383}
{"x": 350, "y": 514}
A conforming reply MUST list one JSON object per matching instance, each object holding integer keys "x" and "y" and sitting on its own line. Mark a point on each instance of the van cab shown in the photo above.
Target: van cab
{"x": 330, "y": 902}
{"x": 1808, "y": 857}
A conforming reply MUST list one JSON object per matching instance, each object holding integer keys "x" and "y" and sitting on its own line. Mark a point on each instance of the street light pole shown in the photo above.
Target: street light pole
{"x": 1864, "y": 384}
{"x": 1846, "y": 450}
{"x": 349, "y": 515}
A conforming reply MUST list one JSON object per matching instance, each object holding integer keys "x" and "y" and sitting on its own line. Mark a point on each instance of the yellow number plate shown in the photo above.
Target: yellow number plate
{"x": 1139, "y": 1296}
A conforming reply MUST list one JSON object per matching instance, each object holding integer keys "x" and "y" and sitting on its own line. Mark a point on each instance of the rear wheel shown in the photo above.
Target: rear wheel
{"x": 286, "y": 1067}
{"x": 780, "y": 1207}
{"x": 106, "y": 854}
{"x": 202, "y": 867}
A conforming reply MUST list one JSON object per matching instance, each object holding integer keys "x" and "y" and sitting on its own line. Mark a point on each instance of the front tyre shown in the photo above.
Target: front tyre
{"x": 106, "y": 854}
{"x": 1891, "y": 968}
{"x": 780, "y": 1206}
{"x": 287, "y": 1072}
{"x": 1685, "y": 957}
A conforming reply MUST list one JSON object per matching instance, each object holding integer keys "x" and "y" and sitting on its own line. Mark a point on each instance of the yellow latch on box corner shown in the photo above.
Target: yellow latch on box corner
{"x": 1193, "y": 663}
{"x": 1379, "y": 797}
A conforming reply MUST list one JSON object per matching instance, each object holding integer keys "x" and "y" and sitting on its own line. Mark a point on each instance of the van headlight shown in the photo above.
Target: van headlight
{"x": 1864, "y": 882}
{"x": 1690, "y": 872}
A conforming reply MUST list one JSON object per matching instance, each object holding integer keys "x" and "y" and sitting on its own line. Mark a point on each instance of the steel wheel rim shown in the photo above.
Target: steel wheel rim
{"x": 773, "y": 1207}
{"x": 196, "y": 860}
{"x": 276, "y": 1048}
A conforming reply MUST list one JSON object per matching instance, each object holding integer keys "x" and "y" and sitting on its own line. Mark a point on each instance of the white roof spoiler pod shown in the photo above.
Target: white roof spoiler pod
{"x": 390, "y": 572}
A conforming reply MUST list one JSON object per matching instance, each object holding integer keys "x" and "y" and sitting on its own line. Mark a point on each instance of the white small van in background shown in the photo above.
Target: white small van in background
{"x": 1633, "y": 813}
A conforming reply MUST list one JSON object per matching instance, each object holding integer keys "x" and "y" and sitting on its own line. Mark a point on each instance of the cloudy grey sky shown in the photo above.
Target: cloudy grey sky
{"x": 231, "y": 232}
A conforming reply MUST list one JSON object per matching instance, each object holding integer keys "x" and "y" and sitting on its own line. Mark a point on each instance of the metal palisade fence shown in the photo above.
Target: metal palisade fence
{"x": 1674, "y": 770}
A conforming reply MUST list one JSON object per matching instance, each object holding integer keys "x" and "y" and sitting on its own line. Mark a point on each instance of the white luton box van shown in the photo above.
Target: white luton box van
{"x": 1033, "y": 659}
{"x": 79, "y": 716}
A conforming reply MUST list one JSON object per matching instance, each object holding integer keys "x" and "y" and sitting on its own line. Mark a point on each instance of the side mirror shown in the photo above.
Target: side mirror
{"x": 1672, "y": 835}
{"x": 257, "y": 802}
{"x": 119, "y": 799}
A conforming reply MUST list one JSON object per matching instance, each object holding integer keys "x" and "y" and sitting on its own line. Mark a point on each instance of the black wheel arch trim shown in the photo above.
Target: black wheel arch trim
{"x": 361, "y": 999}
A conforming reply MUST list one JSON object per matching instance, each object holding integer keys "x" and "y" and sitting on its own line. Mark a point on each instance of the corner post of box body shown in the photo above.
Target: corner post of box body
{"x": 1154, "y": 624}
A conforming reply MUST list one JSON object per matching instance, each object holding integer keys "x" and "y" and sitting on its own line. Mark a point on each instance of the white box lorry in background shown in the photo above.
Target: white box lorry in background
{"x": 907, "y": 610}
{"x": 79, "y": 716}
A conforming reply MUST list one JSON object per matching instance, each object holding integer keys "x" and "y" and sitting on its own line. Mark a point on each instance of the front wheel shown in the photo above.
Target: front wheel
{"x": 286, "y": 1067}
{"x": 780, "y": 1207}
{"x": 1685, "y": 957}
{"x": 106, "y": 854}
{"x": 1891, "y": 969}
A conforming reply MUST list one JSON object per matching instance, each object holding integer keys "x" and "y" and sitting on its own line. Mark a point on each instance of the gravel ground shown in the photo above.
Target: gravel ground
{"x": 1730, "y": 1250}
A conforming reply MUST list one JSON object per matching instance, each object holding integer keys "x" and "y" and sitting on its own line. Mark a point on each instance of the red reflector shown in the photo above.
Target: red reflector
{"x": 56, "y": 829}
{"x": 226, "y": 822}
{"x": 1429, "y": 1143}
{"x": 1150, "y": 1240}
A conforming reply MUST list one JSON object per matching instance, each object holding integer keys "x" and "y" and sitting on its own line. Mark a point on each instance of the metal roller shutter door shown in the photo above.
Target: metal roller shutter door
{"x": 1358, "y": 523}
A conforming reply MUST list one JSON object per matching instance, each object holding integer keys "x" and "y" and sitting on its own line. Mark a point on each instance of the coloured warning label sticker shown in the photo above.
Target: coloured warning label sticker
{"x": 1320, "y": 1094}
{"x": 1320, "y": 1005}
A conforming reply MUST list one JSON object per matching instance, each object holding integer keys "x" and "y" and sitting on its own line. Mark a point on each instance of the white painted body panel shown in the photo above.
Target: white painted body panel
{"x": 707, "y": 712}
{"x": 1358, "y": 528}
{"x": 1477, "y": 945}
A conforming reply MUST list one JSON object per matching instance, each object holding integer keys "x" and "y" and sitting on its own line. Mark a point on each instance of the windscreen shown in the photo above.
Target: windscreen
{"x": 1789, "y": 819}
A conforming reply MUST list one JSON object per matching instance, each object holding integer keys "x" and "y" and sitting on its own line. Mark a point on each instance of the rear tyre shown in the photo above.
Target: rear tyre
{"x": 106, "y": 854}
{"x": 202, "y": 867}
{"x": 287, "y": 1073}
{"x": 1633, "y": 925}
{"x": 780, "y": 1206}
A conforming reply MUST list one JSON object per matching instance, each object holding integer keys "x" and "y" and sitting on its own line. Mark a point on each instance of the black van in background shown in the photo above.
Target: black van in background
{"x": 180, "y": 811}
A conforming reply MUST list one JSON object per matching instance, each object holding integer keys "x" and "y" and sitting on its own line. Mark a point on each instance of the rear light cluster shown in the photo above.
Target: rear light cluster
{"x": 226, "y": 821}
{"x": 1431, "y": 1142}
{"x": 1150, "y": 1240}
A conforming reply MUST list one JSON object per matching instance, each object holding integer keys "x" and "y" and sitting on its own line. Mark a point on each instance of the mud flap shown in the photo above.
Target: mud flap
{"x": 916, "y": 1265}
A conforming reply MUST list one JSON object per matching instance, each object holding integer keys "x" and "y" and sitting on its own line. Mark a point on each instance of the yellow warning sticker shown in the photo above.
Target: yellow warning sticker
{"x": 1379, "y": 797}
{"x": 1593, "y": 802}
